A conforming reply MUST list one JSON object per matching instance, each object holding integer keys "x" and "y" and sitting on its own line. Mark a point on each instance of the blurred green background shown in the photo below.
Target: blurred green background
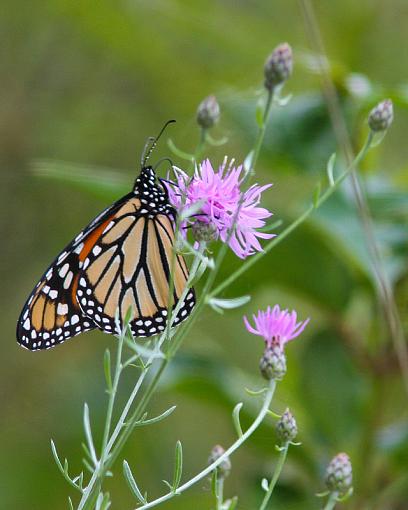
{"x": 86, "y": 82}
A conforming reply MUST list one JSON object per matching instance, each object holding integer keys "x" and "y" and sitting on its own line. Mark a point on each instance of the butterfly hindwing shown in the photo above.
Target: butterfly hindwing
{"x": 51, "y": 314}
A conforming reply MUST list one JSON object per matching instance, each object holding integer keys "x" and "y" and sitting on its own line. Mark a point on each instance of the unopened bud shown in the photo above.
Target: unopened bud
{"x": 273, "y": 362}
{"x": 208, "y": 112}
{"x": 286, "y": 428}
{"x": 278, "y": 66}
{"x": 204, "y": 231}
{"x": 223, "y": 470}
{"x": 339, "y": 475}
{"x": 381, "y": 116}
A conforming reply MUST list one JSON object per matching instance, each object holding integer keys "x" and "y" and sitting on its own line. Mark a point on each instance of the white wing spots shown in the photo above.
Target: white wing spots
{"x": 78, "y": 249}
{"x": 49, "y": 274}
{"x": 96, "y": 250}
{"x": 27, "y": 324}
{"x": 68, "y": 280}
{"x": 62, "y": 309}
{"x": 62, "y": 257}
{"x": 64, "y": 270}
{"x": 46, "y": 289}
{"x": 53, "y": 294}
{"x": 74, "y": 319}
{"x": 82, "y": 282}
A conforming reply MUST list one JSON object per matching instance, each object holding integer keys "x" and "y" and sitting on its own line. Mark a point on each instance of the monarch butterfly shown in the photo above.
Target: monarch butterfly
{"x": 121, "y": 260}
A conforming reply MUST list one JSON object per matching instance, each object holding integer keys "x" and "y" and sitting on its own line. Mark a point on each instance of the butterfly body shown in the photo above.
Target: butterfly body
{"x": 121, "y": 260}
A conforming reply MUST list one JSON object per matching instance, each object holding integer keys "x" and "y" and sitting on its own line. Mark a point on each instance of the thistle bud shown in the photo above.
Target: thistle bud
{"x": 208, "y": 112}
{"x": 223, "y": 470}
{"x": 339, "y": 475}
{"x": 273, "y": 362}
{"x": 204, "y": 231}
{"x": 381, "y": 116}
{"x": 278, "y": 66}
{"x": 286, "y": 428}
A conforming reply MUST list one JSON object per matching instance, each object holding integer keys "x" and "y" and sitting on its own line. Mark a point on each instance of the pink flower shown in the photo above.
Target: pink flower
{"x": 276, "y": 325}
{"x": 223, "y": 204}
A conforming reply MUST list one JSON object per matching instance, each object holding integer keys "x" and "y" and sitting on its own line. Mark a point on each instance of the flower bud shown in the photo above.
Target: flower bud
{"x": 286, "y": 428}
{"x": 278, "y": 66}
{"x": 223, "y": 470}
{"x": 381, "y": 116}
{"x": 339, "y": 476}
{"x": 273, "y": 362}
{"x": 204, "y": 231}
{"x": 208, "y": 112}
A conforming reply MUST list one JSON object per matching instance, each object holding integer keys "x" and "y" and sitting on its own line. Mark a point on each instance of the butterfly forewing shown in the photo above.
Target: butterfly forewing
{"x": 129, "y": 267}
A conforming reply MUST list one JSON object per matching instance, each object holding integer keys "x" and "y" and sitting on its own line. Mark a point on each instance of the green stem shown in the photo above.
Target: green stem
{"x": 249, "y": 262}
{"x": 331, "y": 502}
{"x": 278, "y": 469}
{"x": 262, "y": 129}
{"x": 219, "y": 493}
{"x": 208, "y": 470}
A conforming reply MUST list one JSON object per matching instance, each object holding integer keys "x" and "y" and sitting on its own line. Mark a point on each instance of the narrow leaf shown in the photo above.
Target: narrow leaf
{"x": 330, "y": 168}
{"x": 168, "y": 484}
{"x": 181, "y": 154}
{"x": 317, "y": 194}
{"x": 248, "y": 162}
{"x": 70, "y": 504}
{"x": 178, "y": 468}
{"x": 229, "y": 304}
{"x": 88, "y": 434}
{"x": 107, "y": 369}
{"x": 156, "y": 419}
{"x": 132, "y": 483}
{"x": 235, "y": 418}
{"x": 231, "y": 504}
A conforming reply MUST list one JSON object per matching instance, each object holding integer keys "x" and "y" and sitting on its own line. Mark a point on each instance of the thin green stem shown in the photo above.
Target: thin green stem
{"x": 219, "y": 493}
{"x": 112, "y": 393}
{"x": 208, "y": 470}
{"x": 331, "y": 502}
{"x": 278, "y": 469}
{"x": 262, "y": 129}
{"x": 249, "y": 262}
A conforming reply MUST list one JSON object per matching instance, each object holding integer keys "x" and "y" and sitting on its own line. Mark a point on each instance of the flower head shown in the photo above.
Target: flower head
{"x": 339, "y": 474}
{"x": 234, "y": 215}
{"x": 208, "y": 112}
{"x": 276, "y": 326}
{"x": 224, "y": 468}
{"x": 381, "y": 116}
{"x": 278, "y": 66}
{"x": 286, "y": 428}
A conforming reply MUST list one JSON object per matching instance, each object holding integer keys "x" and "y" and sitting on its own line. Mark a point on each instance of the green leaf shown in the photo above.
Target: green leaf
{"x": 231, "y": 504}
{"x": 107, "y": 369}
{"x": 156, "y": 419}
{"x": 178, "y": 468}
{"x": 228, "y": 304}
{"x": 330, "y": 168}
{"x": 132, "y": 483}
{"x": 88, "y": 435}
{"x": 265, "y": 484}
{"x": 236, "y": 420}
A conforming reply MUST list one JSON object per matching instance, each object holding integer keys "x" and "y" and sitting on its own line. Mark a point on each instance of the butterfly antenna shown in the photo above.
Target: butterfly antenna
{"x": 152, "y": 142}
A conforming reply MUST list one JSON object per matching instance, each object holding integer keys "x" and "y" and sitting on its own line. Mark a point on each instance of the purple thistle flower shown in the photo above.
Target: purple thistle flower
{"x": 224, "y": 206}
{"x": 276, "y": 325}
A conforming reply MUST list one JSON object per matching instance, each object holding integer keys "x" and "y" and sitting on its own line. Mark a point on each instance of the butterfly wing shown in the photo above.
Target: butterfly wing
{"x": 129, "y": 267}
{"x": 51, "y": 314}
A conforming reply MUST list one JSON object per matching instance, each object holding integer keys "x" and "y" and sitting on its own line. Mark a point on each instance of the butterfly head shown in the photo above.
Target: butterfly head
{"x": 153, "y": 196}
